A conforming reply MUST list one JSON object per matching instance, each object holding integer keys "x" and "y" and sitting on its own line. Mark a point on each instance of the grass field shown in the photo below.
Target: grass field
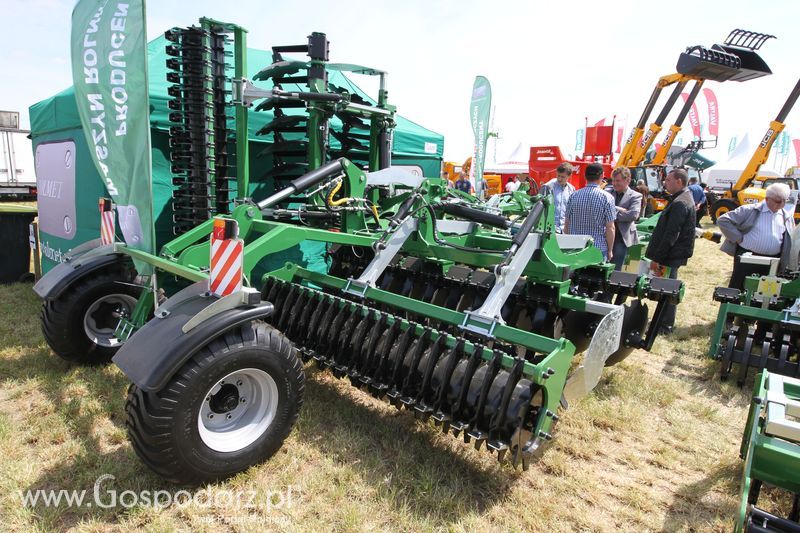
{"x": 655, "y": 447}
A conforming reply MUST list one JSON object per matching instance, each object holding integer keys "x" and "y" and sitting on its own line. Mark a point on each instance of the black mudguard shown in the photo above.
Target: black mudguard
{"x": 79, "y": 263}
{"x": 159, "y": 348}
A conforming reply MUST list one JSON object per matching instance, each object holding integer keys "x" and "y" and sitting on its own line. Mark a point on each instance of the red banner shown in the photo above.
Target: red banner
{"x": 601, "y": 122}
{"x": 796, "y": 143}
{"x": 694, "y": 119}
{"x": 713, "y": 112}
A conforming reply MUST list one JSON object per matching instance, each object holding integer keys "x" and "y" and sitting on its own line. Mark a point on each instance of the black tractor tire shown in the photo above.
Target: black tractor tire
{"x": 720, "y": 207}
{"x": 202, "y": 426}
{"x": 79, "y": 324}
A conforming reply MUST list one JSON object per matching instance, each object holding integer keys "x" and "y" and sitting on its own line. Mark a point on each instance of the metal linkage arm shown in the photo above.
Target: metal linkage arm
{"x": 383, "y": 256}
{"x": 508, "y": 272}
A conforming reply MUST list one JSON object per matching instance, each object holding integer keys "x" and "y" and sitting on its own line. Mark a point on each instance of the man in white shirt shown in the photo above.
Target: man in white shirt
{"x": 513, "y": 184}
{"x": 763, "y": 229}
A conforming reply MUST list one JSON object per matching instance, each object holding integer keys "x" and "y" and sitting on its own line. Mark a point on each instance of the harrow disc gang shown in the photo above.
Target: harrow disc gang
{"x": 467, "y": 388}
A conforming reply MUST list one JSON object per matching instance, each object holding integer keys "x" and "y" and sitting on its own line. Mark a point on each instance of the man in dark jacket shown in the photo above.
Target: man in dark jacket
{"x": 672, "y": 242}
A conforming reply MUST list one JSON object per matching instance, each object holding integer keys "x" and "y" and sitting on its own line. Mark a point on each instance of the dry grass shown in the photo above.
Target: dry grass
{"x": 654, "y": 448}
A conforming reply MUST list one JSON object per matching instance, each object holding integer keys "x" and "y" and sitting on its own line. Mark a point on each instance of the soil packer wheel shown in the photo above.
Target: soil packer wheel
{"x": 229, "y": 407}
{"x": 79, "y": 325}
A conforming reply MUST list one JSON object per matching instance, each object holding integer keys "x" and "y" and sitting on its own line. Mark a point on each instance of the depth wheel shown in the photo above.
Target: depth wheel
{"x": 79, "y": 325}
{"x": 229, "y": 407}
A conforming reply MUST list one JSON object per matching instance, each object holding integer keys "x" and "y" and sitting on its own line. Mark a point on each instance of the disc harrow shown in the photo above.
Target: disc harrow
{"x": 467, "y": 388}
{"x": 463, "y": 313}
{"x": 758, "y": 328}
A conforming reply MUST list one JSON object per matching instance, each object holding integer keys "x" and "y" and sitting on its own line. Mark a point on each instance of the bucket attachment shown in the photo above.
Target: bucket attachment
{"x": 708, "y": 63}
{"x": 744, "y": 44}
{"x": 735, "y": 60}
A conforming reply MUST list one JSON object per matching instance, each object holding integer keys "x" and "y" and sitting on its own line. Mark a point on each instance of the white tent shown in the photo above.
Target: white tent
{"x": 515, "y": 162}
{"x": 723, "y": 175}
{"x": 520, "y": 155}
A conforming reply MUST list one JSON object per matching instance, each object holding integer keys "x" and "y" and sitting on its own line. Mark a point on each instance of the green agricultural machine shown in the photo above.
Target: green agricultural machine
{"x": 441, "y": 306}
{"x": 771, "y": 451}
{"x": 758, "y": 327}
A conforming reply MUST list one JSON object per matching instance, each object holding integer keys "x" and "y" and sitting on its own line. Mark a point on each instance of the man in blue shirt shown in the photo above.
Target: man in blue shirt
{"x": 462, "y": 183}
{"x": 699, "y": 197}
{"x": 591, "y": 211}
{"x": 561, "y": 189}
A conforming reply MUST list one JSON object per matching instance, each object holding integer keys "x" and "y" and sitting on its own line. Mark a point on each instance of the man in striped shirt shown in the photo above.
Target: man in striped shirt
{"x": 591, "y": 211}
{"x": 763, "y": 229}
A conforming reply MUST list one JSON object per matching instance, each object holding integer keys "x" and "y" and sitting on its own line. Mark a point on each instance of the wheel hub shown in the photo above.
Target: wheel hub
{"x": 237, "y": 410}
{"x": 102, "y": 317}
{"x": 227, "y": 399}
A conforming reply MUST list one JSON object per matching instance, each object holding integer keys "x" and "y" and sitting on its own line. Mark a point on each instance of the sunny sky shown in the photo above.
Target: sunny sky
{"x": 550, "y": 63}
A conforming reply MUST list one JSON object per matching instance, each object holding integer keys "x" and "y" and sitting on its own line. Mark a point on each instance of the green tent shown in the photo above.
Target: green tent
{"x": 69, "y": 185}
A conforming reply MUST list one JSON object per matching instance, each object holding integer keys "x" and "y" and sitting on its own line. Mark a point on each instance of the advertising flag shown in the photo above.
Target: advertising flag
{"x": 579, "y": 134}
{"x": 784, "y": 143}
{"x": 732, "y": 145}
{"x": 479, "y": 116}
{"x": 109, "y": 73}
{"x": 796, "y": 144}
{"x": 694, "y": 120}
{"x": 713, "y": 112}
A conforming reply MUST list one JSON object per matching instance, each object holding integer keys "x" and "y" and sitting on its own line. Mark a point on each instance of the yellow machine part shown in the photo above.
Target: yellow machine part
{"x": 658, "y": 204}
{"x": 748, "y": 195}
{"x": 495, "y": 184}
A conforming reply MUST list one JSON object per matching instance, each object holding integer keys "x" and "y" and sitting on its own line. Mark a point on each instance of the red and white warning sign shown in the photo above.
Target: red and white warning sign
{"x": 107, "y": 221}
{"x": 227, "y": 253}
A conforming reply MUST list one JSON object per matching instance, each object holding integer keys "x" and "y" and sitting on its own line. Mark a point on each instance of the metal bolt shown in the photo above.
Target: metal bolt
{"x": 229, "y": 416}
{"x": 222, "y": 382}
{"x": 210, "y": 415}
{"x": 244, "y": 400}
{"x": 208, "y": 398}
{"x": 239, "y": 383}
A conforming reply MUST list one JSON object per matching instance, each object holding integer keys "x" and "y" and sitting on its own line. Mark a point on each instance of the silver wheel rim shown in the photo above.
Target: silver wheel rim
{"x": 237, "y": 410}
{"x": 102, "y": 317}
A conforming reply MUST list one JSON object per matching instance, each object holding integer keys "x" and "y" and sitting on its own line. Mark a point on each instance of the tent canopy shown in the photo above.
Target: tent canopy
{"x": 59, "y": 112}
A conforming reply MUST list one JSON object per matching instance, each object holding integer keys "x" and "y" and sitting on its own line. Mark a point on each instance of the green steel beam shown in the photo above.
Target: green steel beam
{"x": 190, "y": 238}
{"x": 162, "y": 264}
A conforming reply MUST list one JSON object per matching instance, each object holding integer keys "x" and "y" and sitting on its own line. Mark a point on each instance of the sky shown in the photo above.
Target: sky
{"x": 551, "y": 64}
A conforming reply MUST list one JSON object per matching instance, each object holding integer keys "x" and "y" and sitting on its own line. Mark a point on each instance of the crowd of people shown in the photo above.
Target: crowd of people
{"x": 608, "y": 213}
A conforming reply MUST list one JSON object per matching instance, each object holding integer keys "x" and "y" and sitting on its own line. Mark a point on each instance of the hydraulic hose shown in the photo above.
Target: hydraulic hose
{"x": 476, "y": 215}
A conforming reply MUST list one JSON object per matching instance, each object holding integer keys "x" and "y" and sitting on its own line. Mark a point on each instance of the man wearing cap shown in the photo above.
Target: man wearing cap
{"x": 591, "y": 211}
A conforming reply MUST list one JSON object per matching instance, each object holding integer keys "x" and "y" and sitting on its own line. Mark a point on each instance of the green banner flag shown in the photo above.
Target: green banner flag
{"x": 479, "y": 115}
{"x": 109, "y": 72}
{"x": 699, "y": 162}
